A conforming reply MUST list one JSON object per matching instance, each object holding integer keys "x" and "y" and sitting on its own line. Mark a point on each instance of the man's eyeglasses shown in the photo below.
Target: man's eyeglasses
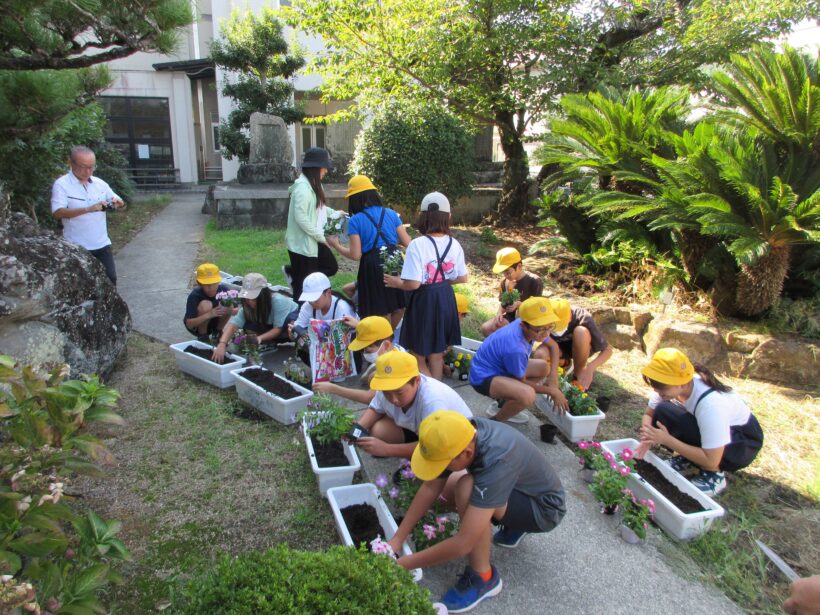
{"x": 540, "y": 330}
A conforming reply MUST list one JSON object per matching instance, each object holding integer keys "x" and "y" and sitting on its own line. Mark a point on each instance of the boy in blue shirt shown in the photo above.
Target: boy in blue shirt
{"x": 502, "y": 367}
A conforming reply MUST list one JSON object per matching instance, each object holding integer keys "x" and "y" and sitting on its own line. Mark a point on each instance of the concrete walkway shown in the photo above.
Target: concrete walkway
{"x": 582, "y": 567}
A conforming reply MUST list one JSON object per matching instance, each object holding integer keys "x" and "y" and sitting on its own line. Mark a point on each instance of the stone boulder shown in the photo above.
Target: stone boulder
{"x": 56, "y": 303}
{"x": 702, "y": 343}
{"x": 785, "y": 360}
{"x": 620, "y": 336}
{"x": 271, "y": 154}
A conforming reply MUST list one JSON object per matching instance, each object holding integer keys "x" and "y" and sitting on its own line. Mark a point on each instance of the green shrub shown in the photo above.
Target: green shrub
{"x": 801, "y": 316}
{"x": 283, "y": 581}
{"x": 410, "y": 151}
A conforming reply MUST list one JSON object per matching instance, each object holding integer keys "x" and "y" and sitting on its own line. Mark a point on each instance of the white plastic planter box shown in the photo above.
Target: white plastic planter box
{"x": 469, "y": 344}
{"x": 342, "y": 497}
{"x": 334, "y": 476}
{"x": 282, "y": 410}
{"x": 575, "y": 428}
{"x": 213, "y": 373}
{"x": 667, "y": 515}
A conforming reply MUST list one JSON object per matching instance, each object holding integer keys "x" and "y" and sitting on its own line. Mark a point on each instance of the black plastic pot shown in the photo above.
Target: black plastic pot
{"x": 603, "y": 403}
{"x": 548, "y": 432}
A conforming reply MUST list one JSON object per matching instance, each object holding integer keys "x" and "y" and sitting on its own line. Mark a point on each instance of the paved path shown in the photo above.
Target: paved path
{"x": 582, "y": 567}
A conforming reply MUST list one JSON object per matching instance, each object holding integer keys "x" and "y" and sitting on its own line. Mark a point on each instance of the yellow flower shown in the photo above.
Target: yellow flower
{"x": 458, "y": 364}
{"x": 583, "y": 394}
{"x": 560, "y": 371}
{"x": 460, "y": 355}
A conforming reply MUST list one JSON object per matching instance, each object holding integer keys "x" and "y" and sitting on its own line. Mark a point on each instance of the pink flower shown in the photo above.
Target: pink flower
{"x": 624, "y": 471}
{"x": 595, "y": 444}
{"x": 393, "y": 493}
{"x": 615, "y": 467}
{"x": 608, "y": 456}
{"x": 429, "y": 531}
{"x": 627, "y": 454}
{"x": 581, "y": 461}
{"x": 381, "y": 481}
{"x": 583, "y": 444}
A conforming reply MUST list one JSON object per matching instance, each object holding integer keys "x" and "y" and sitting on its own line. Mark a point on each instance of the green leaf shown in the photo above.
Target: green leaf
{"x": 10, "y": 562}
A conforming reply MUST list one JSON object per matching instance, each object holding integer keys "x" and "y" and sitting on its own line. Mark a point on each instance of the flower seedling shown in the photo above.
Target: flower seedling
{"x": 228, "y": 298}
{"x": 508, "y": 297}
{"x": 392, "y": 260}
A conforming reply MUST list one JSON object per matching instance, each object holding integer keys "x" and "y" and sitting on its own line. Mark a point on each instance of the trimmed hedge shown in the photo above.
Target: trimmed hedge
{"x": 283, "y": 581}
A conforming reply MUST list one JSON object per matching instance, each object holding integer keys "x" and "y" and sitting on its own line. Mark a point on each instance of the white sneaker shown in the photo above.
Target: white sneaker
{"x": 519, "y": 419}
{"x": 544, "y": 403}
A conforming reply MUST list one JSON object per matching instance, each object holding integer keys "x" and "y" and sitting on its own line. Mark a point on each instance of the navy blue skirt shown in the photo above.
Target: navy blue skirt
{"x": 376, "y": 299}
{"x": 431, "y": 320}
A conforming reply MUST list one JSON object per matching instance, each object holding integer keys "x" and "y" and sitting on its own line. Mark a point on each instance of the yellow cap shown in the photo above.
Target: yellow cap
{"x": 371, "y": 330}
{"x": 394, "y": 369}
{"x": 563, "y": 311}
{"x": 357, "y": 184}
{"x": 505, "y": 258}
{"x": 208, "y": 273}
{"x": 537, "y": 311}
{"x": 462, "y": 303}
{"x": 669, "y": 366}
{"x": 442, "y": 437}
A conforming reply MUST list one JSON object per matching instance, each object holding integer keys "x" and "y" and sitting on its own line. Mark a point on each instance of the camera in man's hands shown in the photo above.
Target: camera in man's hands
{"x": 108, "y": 205}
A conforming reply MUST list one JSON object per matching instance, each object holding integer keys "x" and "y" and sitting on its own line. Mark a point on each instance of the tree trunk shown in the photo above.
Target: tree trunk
{"x": 515, "y": 180}
{"x": 760, "y": 285}
{"x": 693, "y": 249}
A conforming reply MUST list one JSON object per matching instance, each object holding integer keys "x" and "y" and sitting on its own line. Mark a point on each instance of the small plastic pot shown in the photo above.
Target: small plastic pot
{"x": 548, "y": 432}
{"x": 603, "y": 403}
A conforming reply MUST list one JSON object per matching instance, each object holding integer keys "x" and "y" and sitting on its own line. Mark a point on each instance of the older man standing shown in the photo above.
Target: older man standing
{"x": 79, "y": 200}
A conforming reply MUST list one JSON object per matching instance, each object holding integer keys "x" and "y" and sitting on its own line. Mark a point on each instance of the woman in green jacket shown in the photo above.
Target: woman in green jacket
{"x": 302, "y": 236}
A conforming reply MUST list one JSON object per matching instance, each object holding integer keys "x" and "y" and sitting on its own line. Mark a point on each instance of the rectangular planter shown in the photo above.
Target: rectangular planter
{"x": 212, "y": 373}
{"x": 667, "y": 515}
{"x": 342, "y": 497}
{"x": 575, "y": 428}
{"x": 470, "y": 344}
{"x": 282, "y": 410}
{"x": 332, "y": 477}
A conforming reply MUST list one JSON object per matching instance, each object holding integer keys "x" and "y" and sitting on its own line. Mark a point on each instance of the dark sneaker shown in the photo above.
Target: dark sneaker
{"x": 505, "y": 537}
{"x": 681, "y": 465}
{"x": 711, "y": 483}
{"x": 470, "y": 589}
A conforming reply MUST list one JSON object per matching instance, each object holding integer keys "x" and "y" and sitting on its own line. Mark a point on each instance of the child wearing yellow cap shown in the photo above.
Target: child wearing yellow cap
{"x": 578, "y": 339}
{"x": 495, "y": 475}
{"x": 403, "y": 398}
{"x": 502, "y": 368}
{"x": 508, "y": 262}
{"x": 204, "y": 315}
{"x": 372, "y": 226}
{"x": 690, "y": 411}
{"x": 374, "y": 337}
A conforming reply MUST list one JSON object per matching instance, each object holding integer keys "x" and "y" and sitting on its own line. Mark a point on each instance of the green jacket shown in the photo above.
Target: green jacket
{"x": 302, "y": 235}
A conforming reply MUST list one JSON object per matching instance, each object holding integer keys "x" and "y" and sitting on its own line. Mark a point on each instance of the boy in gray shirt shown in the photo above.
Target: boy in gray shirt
{"x": 507, "y": 481}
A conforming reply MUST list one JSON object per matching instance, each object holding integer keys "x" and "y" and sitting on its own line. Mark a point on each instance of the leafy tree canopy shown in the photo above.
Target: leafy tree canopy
{"x": 60, "y": 34}
{"x": 254, "y": 48}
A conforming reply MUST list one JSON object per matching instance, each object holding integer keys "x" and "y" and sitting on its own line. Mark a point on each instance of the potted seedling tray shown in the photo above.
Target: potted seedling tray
{"x": 575, "y": 428}
{"x": 217, "y": 374}
{"x": 667, "y": 515}
{"x": 267, "y": 402}
{"x": 336, "y": 476}
{"x": 350, "y": 495}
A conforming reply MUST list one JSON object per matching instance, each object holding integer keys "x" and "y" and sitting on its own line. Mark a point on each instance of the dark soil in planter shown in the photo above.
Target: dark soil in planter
{"x": 362, "y": 522}
{"x": 205, "y": 353}
{"x": 271, "y": 382}
{"x": 329, "y": 455}
{"x": 686, "y": 503}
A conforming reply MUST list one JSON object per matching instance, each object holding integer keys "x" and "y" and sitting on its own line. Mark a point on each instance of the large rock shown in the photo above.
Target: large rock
{"x": 56, "y": 303}
{"x": 700, "y": 342}
{"x": 622, "y": 337}
{"x": 785, "y": 360}
{"x": 271, "y": 155}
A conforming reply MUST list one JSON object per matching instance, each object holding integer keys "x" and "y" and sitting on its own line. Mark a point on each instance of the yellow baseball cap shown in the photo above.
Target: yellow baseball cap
{"x": 442, "y": 437}
{"x": 357, "y": 184}
{"x": 208, "y": 273}
{"x": 394, "y": 369}
{"x": 371, "y": 330}
{"x": 506, "y": 258}
{"x": 462, "y": 303}
{"x": 669, "y": 366}
{"x": 563, "y": 311}
{"x": 537, "y": 311}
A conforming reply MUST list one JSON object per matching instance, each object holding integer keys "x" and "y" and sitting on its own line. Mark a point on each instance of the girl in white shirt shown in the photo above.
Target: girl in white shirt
{"x": 432, "y": 264}
{"x": 700, "y": 418}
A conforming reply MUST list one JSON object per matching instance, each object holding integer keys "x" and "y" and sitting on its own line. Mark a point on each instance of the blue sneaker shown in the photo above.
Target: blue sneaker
{"x": 681, "y": 465}
{"x": 711, "y": 483}
{"x": 505, "y": 537}
{"x": 470, "y": 589}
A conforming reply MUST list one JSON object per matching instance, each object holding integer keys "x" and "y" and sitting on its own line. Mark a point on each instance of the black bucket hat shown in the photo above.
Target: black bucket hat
{"x": 316, "y": 157}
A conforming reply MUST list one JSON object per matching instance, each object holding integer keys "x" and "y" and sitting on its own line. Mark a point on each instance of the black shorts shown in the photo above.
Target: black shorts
{"x": 410, "y": 436}
{"x": 483, "y": 387}
{"x": 519, "y": 515}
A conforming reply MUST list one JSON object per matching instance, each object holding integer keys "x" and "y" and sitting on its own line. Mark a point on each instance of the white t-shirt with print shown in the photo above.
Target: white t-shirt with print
{"x": 432, "y": 395}
{"x": 343, "y": 308}
{"x": 716, "y": 414}
{"x": 420, "y": 260}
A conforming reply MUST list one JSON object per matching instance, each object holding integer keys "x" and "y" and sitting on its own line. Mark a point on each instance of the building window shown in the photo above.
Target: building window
{"x": 313, "y": 135}
{"x": 140, "y": 128}
{"x": 215, "y": 130}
